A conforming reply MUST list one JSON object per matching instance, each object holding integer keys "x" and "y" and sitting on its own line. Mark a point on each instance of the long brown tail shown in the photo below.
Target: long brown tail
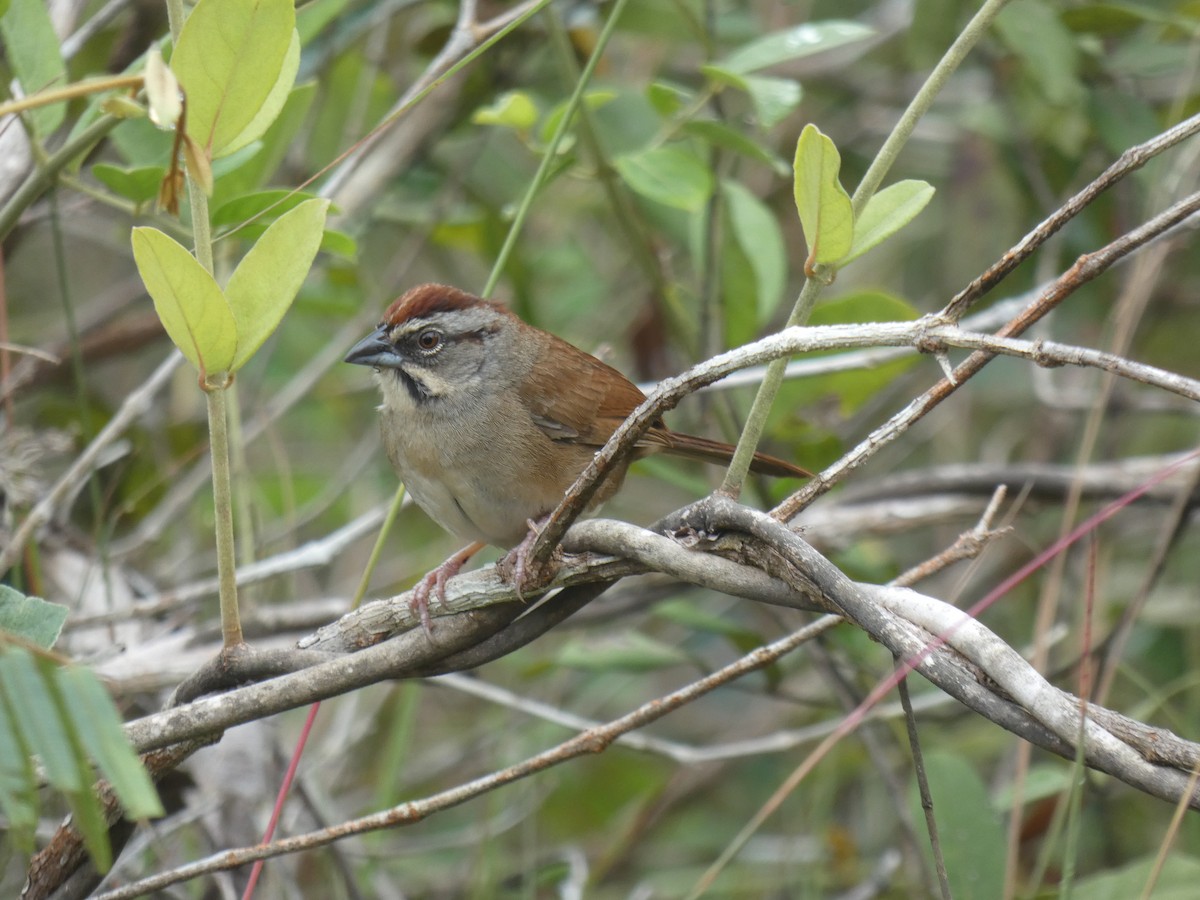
{"x": 694, "y": 447}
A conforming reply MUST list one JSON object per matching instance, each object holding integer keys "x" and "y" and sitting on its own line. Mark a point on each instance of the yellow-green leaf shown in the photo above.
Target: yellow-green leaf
{"x": 188, "y": 301}
{"x": 886, "y": 213}
{"x": 824, "y": 206}
{"x": 271, "y": 107}
{"x": 514, "y": 109}
{"x": 228, "y": 59}
{"x": 268, "y": 278}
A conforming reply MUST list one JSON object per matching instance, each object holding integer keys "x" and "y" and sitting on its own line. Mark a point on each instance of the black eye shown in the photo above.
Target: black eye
{"x": 429, "y": 339}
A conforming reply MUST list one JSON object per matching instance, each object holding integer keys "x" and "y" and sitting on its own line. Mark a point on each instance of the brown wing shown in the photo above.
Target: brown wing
{"x": 588, "y": 401}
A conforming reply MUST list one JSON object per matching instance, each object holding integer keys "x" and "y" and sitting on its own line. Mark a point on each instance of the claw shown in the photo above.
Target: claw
{"x": 435, "y": 582}
{"x": 526, "y": 575}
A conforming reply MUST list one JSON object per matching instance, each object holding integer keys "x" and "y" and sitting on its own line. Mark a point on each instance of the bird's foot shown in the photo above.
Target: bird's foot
{"x": 434, "y": 583}
{"x": 518, "y": 567}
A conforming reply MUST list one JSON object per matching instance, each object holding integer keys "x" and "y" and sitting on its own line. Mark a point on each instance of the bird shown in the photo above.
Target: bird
{"x": 488, "y": 420}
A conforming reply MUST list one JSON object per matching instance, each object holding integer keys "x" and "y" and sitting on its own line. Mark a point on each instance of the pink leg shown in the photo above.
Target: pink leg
{"x": 524, "y": 573}
{"x": 435, "y": 581}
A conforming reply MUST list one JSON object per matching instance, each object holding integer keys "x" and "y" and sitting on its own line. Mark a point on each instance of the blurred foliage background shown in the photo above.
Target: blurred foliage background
{"x": 666, "y": 233}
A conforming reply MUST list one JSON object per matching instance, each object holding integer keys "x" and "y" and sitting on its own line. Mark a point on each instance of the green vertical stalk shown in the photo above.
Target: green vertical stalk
{"x": 218, "y": 436}
{"x": 218, "y": 414}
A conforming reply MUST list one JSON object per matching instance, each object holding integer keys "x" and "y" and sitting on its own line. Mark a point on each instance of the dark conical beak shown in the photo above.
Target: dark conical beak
{"x": 373, "y": 350}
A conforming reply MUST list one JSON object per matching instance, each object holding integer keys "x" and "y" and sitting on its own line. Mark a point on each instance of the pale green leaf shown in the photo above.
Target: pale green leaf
{"x": 1173, "y": 878}
{"x": 721, "y": 135}
{"x": 592, "y": 99}
{"x": 228, "y": 59}
{"x": 757, "y": 233}
{"x": 855, "y": 388}
{"x": 188, "y": 301}
{"x": 668, "y": 175}
{"x": 273, "y": 104}
{"x": 100, "y": 728}
{"x": 773, "y": 98}
{"x": 88, "y": 819}
{"x": 32, "y": 51}
{"x": 972, "y": 836}
{"x": 137, "y": 184}
{"x": 122, "y": 107}
{"x": 87, "y": 815}
{"x": 514, "y": 109}
{"x": 31, "y": 618}
{"x": 886, "y": 213}
{"x": 794, "y": 43}
{"x": 268, "y": 278}
{"x": 36, "y": 717}
{"x": 18, "y": 783}
{"x": 667, "y": 99}
{"x": 270, "y": 204}
{"x": 823, "y": 204}
{"x": 1035, "y": 33}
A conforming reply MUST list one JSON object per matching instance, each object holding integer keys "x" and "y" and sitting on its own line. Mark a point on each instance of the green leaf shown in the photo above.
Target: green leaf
{"x": 667, "y": 99}
{"x": 242, "y": 209}
{"x": 628, "y": 652}
{"x": 32, "y": 50}
{"x": 36, "y": 715}
{"x": 886, "y": 213}
{"x": 18, "y": 782}
{"x": 88, "y": 818}
{"x": 273, "y": 104}
{"x": 757, "y": 233}
{"x": 1032, "y": 30}
{"x": 137, "y": 184}
{"x": 794, "y": 43}
{"x": 228, "y": 59}
{"x": 592, "y": 99}
{"x": 258, "y": 167}
{"x": 314, "y": 16}
{"x": 268, "y": 278}
{"x": 824, "y": 206}
{"x": 188, "y": 301}
{"x": 99, "y": 726}
{"x": 854, "y": 389}
{"x": 668, "y": 175}
{"x": 514, "y": 109}
{"x": 971, "y": 834}
{"x": 1175, "y": 880}
{"x": 773, "y": 98}
{"x": 31, "y": 618}
{"x": 721, "y": 135}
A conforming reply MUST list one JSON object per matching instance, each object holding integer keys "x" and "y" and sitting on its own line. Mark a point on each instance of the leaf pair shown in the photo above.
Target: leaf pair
{"x": 833, "y": 234}
{"x": 218, "y": 331}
